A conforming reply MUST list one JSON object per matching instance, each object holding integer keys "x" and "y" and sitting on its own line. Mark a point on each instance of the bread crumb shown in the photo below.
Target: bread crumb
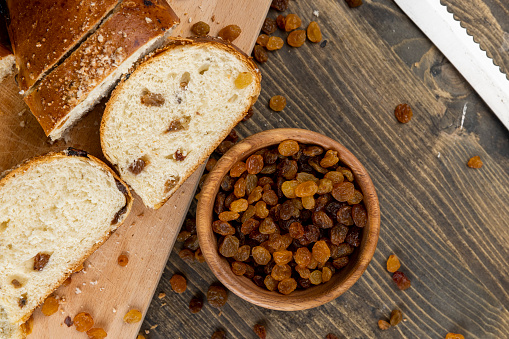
{"x": 153, "y": 326}
{"x": 316, "y": 13}
{"x": 101, "y": 289}
{"x": 114, "y": 310}
{"x": 148, "y": 20}
{"x": 100, "y": 38}
{"x": 147, "y": 331}
{"x": 163, "y": 304}
{"x": 93, "y": 282}
{"x": 190, "y": 20}
{"x": 161, "y": 295}
{"x": 77, "y": 291}
{"x": 22, "y": 124}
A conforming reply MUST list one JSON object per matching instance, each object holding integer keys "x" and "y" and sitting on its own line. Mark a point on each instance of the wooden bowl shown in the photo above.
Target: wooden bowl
{"x": 299, "y": 299}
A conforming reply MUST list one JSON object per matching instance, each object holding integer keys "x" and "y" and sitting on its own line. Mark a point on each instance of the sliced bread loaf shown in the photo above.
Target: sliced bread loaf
{"x": 55, "y": 210}
{"x": 42, "y": 32}
{"x": 170, "y": 114}
{"x": 135, "y": 28}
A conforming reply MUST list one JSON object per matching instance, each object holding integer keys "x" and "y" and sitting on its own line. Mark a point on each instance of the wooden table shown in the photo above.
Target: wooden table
{"x": 449, "y": 224}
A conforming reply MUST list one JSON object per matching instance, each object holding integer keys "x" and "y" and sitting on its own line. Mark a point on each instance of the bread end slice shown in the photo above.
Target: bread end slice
{"x": 169, "y": 115}
{"x": 55, "y": 211}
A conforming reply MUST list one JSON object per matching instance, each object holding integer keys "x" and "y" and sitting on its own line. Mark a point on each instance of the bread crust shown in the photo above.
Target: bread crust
{"x": 69, "y": 84}
{"x": 39, "y": 37}
{"x": 175, "y": 43}
{"x": 33, "y": 162}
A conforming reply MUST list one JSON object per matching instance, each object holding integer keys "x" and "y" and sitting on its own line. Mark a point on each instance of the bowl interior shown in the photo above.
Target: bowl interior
{"x": 245, "y": 287}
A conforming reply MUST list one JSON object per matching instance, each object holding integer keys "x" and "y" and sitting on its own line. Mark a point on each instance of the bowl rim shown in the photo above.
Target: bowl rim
{"x": 244, "y": 287}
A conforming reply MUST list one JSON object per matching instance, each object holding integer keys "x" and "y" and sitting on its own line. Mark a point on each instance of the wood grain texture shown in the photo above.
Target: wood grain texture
{"x": 447, "y": 223}
{"x": 244, "y": 287}
{"x": 106, "y": 290}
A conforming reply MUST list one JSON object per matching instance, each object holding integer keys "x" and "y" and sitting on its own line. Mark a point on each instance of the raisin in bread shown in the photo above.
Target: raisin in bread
{"x": 55, "y": 210}
{"x": 170, "y": 114}
{"x": 135, "y": 28}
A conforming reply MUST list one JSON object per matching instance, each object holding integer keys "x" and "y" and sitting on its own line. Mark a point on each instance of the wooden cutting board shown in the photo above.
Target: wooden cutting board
{"x": 104, "y": 289}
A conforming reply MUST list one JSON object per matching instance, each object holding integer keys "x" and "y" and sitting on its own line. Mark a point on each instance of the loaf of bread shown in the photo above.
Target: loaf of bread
{"x": 168, "y": 116}
{"x": 55, "y": 210}
{"x": 135, "y": 28}
{"x": 42, "y": 32}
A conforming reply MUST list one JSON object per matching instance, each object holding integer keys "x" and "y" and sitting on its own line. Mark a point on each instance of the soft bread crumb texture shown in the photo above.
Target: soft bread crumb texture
{"x": 6, "y": 66}
{"x": 197, "y": 84}
{"x": 62, "y": 206}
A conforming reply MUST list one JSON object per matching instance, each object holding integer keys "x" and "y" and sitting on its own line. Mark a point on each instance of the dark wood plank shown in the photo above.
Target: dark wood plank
{"x": 447, "y": 223}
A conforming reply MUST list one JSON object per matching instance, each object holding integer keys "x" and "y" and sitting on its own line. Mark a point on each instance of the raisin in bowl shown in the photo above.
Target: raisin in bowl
{"x": 288, "y": 219}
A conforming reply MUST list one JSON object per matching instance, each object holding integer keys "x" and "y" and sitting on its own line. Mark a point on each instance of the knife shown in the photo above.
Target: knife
{"x": 461, "y": 50}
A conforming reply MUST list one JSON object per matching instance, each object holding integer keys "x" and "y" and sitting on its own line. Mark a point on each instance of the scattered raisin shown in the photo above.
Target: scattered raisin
{"x": 261, "y": 56}
{"x": 217, "y": 296}
{"x": 131, "y": 317}
{"x": 292, "y": 21}
{"x": 396, "y": 317}
{"x": 383, "y": 325}
{"x": 229, "y": 33}
{"x": 83, "y": 322}
{"x": 401, "y": 280}
{"x": 97, "y": 333}
{"x": 274, "y": 43}
{"x": 219, "y": 334}
{"x": 250, "y": 111}
{"x": 178, "y": 283}
{"x": 50, "y": 306}
{"x": 262, "y": 40}
{"x": 123, "y": 260}
{"x": 331, "y": 336}
{"x": 68, "y": 321}
{"x": 354, "y": 3}
{"x": 196, "y": 304}
{"x": 475, "y": 162}
{"x": 454, "y": 336}
{"x": 269, "y": 26}
{"x": 224, "y": 146}
{"x": 281, "y": 21}
{"x": 403, "y": 113}
{"x": 277, "y": 103}
{"x": 200, "y": 28}
{"x": 187, "y": 255}
{"x": 314, "y": 32}
{"x": 280, "y": 5}
{"x": 260, "y": 331}
{"x": 183, "y": 236}
{"x": 393, "y": 263}
{"x": 296, "y": 38}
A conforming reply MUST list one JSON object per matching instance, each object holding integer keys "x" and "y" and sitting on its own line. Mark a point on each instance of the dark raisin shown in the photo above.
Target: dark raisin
{"x": 137, "y": 166}
{"x": 179, "y": 156}
{"x": 403, "y": 112}
{"x": 219, "y": 203}
{"x": 248, "y": 115}
{"x": 280, "y": 5}
{"x": 269, "y": 26}
{"x": 74, "y": 152}
{"x": 200, "y": 28}
{"x": 260, "y": 331}
{"x": 40, "y": 261}
{"x": 229, "y": 33}
{"x": 224, "y": 147}
{"x": 196, "y": 304}
{"x": 401, "y": 280}
{"x": 219, "y": 334}
{"x": 354, "y": 3}
{"x": 354, "y": 236}
{"x": 260, "y": 54}
{"x": 217, "y": 296}
{"x": 68, "y": 321}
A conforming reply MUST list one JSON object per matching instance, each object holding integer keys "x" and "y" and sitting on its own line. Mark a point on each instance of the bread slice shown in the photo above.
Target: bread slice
{"x": 170, "y": 114}
{"x": 55, "y": 210}
{"x": 42, "y": 32}
{"x": 134, "y": 29}
{"x": 6, "y": 62}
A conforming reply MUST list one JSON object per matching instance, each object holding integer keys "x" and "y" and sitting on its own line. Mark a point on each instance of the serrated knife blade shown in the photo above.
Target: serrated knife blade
{"x": 461, "y": 50}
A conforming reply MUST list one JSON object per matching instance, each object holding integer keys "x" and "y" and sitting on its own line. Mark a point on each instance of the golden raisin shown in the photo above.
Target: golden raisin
{"x": 475, "y": 162}
{"x": 50, "y": 306}
{"x": 229, "y": 33}
{"x": 228, "y": 216}
{"x": 454, "y": 336}
{"x": 281, "y": 272}
{"x": 123, "y": 260}
{"x": 262, "y": 40}
{"x": 282, "y": 257}
{"x": 393, "y": 263}
{"x": 243, "y": 80}
{"x": 237, "y": 169}
{"x": 277, "y": 103}
{"x": 334, "y": 176}
{"x": 254, "y": 164}
{"x": 288, "y": 188}
{"x": 217, "y": 296}
{"x": 200, "y": 28}
{"x": 343, "y": 191}
{"x": 133, "y": 316}
{"x": 288, "y": 148}
{"x": 357, "y": 198}
{"x": 274, "y": 43}
{"x": 315, "y": 277}
{"x": 326, "y": 274}
{"x": 178, "y": 284}
{"x": 321, "y": 252}
{"x": 302, "y": 256}
{"x": 83, "y": 322}
{"x": 308, "y": 202}
{"x": 261, "y": 255}
{"x": 403, "y": 113}
{"x": 325, "y": 186}
{"x": 330, "y": 159}
{"x": 261, "y": 210}
{"x": 292, "y": 21}
{"x": 287, "y": 286}
{"x": 383, "y": 325}
{"x": 296, "y": 38}
{"x": 140, "y": 336}
{"x": 304, "y": 272}
{"x": 314, "y": 32}
{"x": 353, "y": 3}
{"x": 229, "y": 246}
{"x": 306, "y": 189}
{"x": 239, "y": 205}
{"x": 270, "y": 283}
{"x": 96, "y": 333}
